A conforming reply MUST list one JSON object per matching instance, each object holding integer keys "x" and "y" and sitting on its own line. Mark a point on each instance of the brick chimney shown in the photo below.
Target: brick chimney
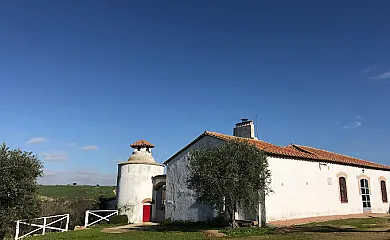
{"x": 245, "y": 129}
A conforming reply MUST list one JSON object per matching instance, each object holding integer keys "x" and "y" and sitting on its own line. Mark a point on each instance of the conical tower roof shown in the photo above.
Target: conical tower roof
{"x": 142, "y": 153}
{"x": 142, "y": 143}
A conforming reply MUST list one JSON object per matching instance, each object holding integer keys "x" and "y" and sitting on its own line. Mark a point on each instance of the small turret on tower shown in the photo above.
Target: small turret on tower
{"x": 142, "y": 153}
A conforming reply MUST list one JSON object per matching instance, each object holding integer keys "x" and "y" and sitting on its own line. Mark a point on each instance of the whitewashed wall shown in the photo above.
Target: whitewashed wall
{"x": 134, "y": 185}
{"x": 181, "y": 202}
{"x": 301, "y": 190}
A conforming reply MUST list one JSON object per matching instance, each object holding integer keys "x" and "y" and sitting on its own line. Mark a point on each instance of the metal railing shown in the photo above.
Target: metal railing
{"x": 100, "y": 217}
{"x": 43, "y": 226}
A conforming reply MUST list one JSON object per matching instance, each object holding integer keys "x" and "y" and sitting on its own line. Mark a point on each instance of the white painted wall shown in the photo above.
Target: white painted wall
{"x": 181, "y": 202}
{"x": 134, "y": 185}
{"x": 301, "y": 190}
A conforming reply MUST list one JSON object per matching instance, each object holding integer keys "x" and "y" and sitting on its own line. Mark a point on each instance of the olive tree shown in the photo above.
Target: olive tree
{"x": 235, "y": 172}
{"x": 19, "y": 171}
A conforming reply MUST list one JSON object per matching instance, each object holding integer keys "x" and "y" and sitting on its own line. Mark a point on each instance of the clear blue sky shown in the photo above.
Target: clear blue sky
{"x": 88, "y": 78}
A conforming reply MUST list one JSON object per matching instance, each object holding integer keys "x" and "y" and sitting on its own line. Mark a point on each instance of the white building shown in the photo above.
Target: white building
{"x": 306, "y": 182}
{"x": 139, "y": 184}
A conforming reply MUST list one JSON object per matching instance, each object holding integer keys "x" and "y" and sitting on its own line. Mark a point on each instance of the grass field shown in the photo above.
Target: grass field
{"x": 349, "y": 229}
{"x": 92, "y": 192}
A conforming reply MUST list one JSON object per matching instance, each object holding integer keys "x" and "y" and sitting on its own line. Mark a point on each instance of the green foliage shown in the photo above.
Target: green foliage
{"x": 19, "y": 171}
{"x": 230, "y": 174}
{"x": 75, "y": 206}
{"x": 220, "y": 221}
{"x": 119, "y": 219}
{"x": 180, "y": 225}
{"x": 74, "y": 200}
{"x": 166, "y": 221}
{"x": 92, "y": 192}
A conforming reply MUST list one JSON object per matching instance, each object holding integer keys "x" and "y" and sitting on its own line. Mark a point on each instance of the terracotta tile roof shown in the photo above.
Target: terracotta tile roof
{"x": 142, "y": 143}
{"x": 266, "y": 147}
{"x": 338, "y": 158}
{"x": 293, "y": 151}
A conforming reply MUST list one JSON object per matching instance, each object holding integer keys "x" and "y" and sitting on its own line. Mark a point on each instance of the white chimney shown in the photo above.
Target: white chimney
{"x": 245, "y": 129}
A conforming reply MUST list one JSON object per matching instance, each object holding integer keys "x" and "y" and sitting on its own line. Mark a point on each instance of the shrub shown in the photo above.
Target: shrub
{"x": 119, "y": 220}
{"x": 221, "y": 220}
{"x": 74, "y": 206}
{"x": 166, "y": 221}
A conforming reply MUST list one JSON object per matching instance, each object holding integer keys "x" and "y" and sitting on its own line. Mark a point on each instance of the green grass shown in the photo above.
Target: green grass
{"x": 348, "y": 229}
{"x": 248, "y": 231}
{"x": 95, "y": 234}
{"x": 93, "y": 192}
{"x": 354, "y": 223}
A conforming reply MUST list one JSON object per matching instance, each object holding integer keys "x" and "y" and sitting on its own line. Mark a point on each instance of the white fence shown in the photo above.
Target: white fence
{"x": 100, "y": 217}
{"x": 45, "y": 225}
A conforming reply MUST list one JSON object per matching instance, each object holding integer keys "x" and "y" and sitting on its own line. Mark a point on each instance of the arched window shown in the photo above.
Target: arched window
{"x": 384, "y": 191}
{"x": 343, "y": 190}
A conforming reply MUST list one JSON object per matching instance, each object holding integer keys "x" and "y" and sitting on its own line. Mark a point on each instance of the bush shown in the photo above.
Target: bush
{"x": 105, "y": 202}
{"x": 119, "y": 220}
{"x": 221, "y": 220}
{"x": 218, "y": 222}
{"x": 74, "y": 206}
{"x": 166, "y": 221}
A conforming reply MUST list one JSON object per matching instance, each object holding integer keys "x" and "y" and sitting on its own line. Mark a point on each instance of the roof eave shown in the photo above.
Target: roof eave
{"x": 315, "y": 158}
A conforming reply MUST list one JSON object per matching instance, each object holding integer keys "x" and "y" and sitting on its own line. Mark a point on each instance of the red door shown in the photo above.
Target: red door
{"x": 147, "y": 210}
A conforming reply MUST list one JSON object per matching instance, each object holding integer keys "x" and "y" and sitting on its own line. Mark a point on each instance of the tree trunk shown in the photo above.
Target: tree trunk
{"x": 233, "y": 223}
{"x": 231, "y": 211}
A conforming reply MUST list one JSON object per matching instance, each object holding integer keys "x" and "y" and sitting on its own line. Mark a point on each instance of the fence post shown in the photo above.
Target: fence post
{"x": 67, "y": 222}
{"x": 44, "y": 226}
{"x": 17, "y": 230}
{"x": 86, "y": 218}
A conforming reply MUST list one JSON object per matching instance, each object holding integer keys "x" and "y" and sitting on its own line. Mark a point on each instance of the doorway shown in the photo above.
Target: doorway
{"x": 365, "y": 195}
{"x": 146, "y": 213}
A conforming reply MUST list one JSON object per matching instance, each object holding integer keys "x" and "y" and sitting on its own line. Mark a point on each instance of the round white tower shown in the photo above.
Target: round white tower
{"x": 134, "y": 183}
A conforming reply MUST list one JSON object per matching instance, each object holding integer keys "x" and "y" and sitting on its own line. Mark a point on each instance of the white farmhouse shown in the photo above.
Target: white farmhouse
{"x": 306, "y": 182}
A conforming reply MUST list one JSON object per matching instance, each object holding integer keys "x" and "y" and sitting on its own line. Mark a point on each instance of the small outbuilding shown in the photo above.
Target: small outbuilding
{"x": 135, "y": 184}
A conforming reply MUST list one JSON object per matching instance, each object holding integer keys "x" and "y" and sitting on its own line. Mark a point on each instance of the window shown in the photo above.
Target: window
{"x": 343, "y": 190}
{"x": 384, "y": 191}
{"x": 365, "y": 191}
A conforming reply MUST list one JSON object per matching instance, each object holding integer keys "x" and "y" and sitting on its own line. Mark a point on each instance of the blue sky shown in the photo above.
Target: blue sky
{"x": 84, "y": 79}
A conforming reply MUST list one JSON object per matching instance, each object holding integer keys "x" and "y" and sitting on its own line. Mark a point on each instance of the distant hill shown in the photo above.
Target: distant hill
{"x": 92, "y": 192}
